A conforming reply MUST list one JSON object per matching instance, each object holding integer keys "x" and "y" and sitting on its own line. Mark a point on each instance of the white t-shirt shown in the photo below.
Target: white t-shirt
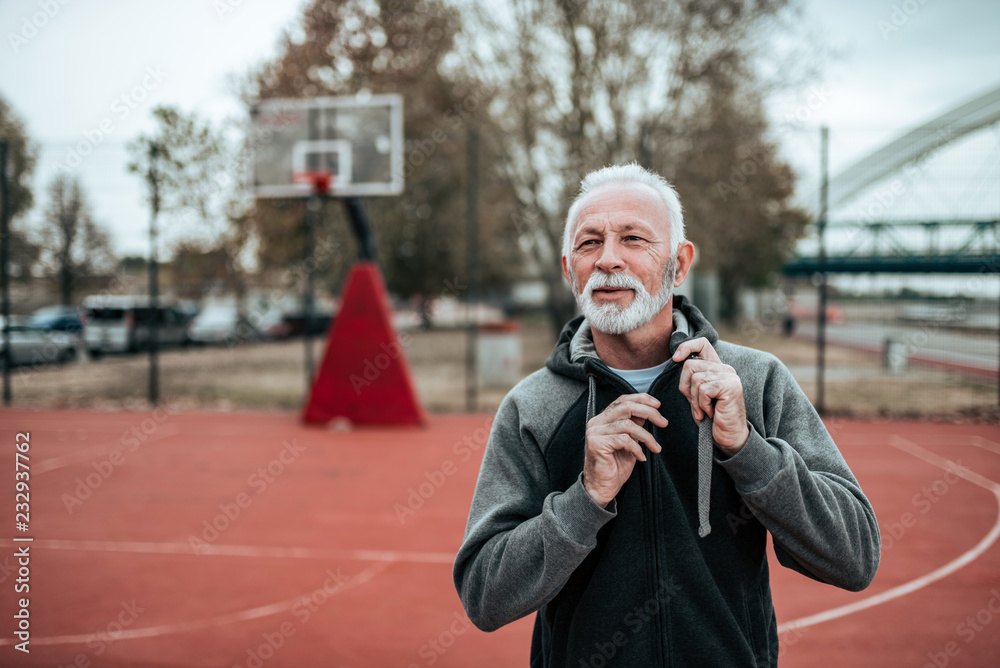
{"x": 641, "y": 379}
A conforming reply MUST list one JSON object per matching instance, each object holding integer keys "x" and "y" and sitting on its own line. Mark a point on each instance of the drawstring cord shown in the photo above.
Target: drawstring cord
{"x": 705, "y": 447}
{"x": 592, "y": 396}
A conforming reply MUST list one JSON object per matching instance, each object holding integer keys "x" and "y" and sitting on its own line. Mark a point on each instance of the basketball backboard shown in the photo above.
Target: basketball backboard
{"x": 357, "y": 138}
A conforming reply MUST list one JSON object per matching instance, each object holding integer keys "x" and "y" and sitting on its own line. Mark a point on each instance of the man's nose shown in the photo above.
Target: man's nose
{"x": 611, "y": 258}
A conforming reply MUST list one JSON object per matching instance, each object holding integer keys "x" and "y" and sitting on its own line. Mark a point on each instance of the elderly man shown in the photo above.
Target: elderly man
{"x": 628, "y": 486}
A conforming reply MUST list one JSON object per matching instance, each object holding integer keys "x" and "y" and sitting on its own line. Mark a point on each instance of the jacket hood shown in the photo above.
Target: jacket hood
{"x": 576, "y": 344}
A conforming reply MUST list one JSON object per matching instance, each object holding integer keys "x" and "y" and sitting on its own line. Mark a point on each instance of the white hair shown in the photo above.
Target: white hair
{"x": 625, "y": 174}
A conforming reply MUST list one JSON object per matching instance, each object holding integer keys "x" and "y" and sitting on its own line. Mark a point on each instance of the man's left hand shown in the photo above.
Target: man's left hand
{"x": 715, "y": 391}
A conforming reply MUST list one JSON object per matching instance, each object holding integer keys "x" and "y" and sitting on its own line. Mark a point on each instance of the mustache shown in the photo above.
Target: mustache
{"x": 600, "y": 279}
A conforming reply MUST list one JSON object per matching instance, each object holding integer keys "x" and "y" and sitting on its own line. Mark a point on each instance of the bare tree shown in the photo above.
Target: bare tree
{"x": 200, "y": 187}
{"x": 74, "y": 246}
{"x": 586, "y": 84}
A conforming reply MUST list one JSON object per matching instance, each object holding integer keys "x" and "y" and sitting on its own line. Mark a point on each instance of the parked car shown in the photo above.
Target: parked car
{"x": 221, "y": 323}
{"x": 123, "y": 324}
{"x": 58, "y": 319}
{"x": 294, "y": 324}
{"x": 35, "y": 346}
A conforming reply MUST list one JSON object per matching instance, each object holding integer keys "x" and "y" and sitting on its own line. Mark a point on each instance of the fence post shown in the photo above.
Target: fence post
{"x": 472, "y": 264}
{"x": 821, "y": 230}
{"x": 4, "y": 274}
{"x": 154, "y": 281}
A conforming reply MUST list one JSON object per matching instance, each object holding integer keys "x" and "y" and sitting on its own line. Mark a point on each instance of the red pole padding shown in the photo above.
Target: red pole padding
{"x": 364, "y": 376}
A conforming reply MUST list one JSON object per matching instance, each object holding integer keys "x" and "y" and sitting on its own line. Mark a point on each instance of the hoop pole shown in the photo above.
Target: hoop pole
{"x": 313, "y": 205}
{"x": 362, "y": 229}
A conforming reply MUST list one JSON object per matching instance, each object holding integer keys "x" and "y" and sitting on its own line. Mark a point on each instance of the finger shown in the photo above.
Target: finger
{"x": 629, "y": 445}
{"x": 708, "y": 392}
{"x": 699, "y": 346}
{"x": 694, "y": 397}
{"x": 641, "y": 409}
{"x": 685, "y": 383}
{"x": 636, "y": 433}
{"x": 638, "y": 398}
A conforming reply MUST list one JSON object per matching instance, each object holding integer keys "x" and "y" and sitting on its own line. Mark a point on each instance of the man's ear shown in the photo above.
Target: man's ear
{"x": 565, "y": 267}
{"x": 685, "y": 259}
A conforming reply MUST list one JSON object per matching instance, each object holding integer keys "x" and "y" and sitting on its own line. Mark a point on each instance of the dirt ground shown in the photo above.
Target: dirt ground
{"x": 270, "y": 376}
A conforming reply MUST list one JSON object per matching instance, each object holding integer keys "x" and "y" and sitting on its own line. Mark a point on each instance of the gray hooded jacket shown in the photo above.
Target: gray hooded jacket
{"x": 644, "y": 582}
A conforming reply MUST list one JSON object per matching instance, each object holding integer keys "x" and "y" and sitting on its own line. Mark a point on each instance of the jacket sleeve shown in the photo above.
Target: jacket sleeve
{"x": 523, "y": 540}
{"x": 795, "y": 481}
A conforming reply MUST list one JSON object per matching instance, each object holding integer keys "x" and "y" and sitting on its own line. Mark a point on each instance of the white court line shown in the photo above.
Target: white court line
{"x": 935, "y": 575}
{"x": 196, "y": 625}
{"x": 388, "y": 556}
{"x": 987, "y": 444}
{"x": 84, "y": 454}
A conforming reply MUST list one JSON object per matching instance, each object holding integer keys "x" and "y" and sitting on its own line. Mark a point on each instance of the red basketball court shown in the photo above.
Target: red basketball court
{"x": 248, "y": 539}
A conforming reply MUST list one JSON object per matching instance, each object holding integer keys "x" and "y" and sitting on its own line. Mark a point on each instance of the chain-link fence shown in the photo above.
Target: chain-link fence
{"x": 913, "y": 319}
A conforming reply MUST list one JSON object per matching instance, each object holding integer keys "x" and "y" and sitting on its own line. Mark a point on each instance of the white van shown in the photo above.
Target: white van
{"x": 118, "y": 323}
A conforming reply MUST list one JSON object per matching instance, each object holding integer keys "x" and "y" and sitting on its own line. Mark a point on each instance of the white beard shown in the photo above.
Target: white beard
{"x": 614, "y": 319}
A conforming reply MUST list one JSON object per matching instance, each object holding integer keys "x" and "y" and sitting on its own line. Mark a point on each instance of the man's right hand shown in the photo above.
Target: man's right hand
{"x": 614, "y": 443}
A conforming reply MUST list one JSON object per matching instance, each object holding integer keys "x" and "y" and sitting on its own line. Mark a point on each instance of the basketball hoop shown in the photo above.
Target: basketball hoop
{"x": 321, "y": 182}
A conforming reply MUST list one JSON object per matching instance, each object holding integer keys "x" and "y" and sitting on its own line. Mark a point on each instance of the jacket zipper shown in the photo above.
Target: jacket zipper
{"x": 650, "y": 526}
{"x": 661, "y": 616}
{"x": 651, "y": 536}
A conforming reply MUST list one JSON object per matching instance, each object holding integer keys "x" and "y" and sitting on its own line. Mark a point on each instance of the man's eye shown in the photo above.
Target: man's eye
{"x": 588, "y": 242}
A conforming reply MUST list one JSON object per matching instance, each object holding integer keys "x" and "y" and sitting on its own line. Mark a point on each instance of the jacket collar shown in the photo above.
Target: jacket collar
{"x": 576, "y": 342}
{"x": 582, "y": 343}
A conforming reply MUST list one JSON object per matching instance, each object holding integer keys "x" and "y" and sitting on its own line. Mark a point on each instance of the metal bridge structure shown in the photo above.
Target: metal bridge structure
{"x": 868, "y": 244}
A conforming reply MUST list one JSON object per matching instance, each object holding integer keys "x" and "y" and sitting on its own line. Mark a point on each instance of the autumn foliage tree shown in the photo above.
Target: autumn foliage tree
{"x": 24, "y": 253}
{"x": 736, "y": 193}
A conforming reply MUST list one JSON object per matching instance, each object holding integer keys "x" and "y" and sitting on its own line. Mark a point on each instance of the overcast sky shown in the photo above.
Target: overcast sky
{"x": 97, "y": 64}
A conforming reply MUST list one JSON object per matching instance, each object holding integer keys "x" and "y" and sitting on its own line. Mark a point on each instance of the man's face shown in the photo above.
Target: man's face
{"x": 619, "y": 261}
